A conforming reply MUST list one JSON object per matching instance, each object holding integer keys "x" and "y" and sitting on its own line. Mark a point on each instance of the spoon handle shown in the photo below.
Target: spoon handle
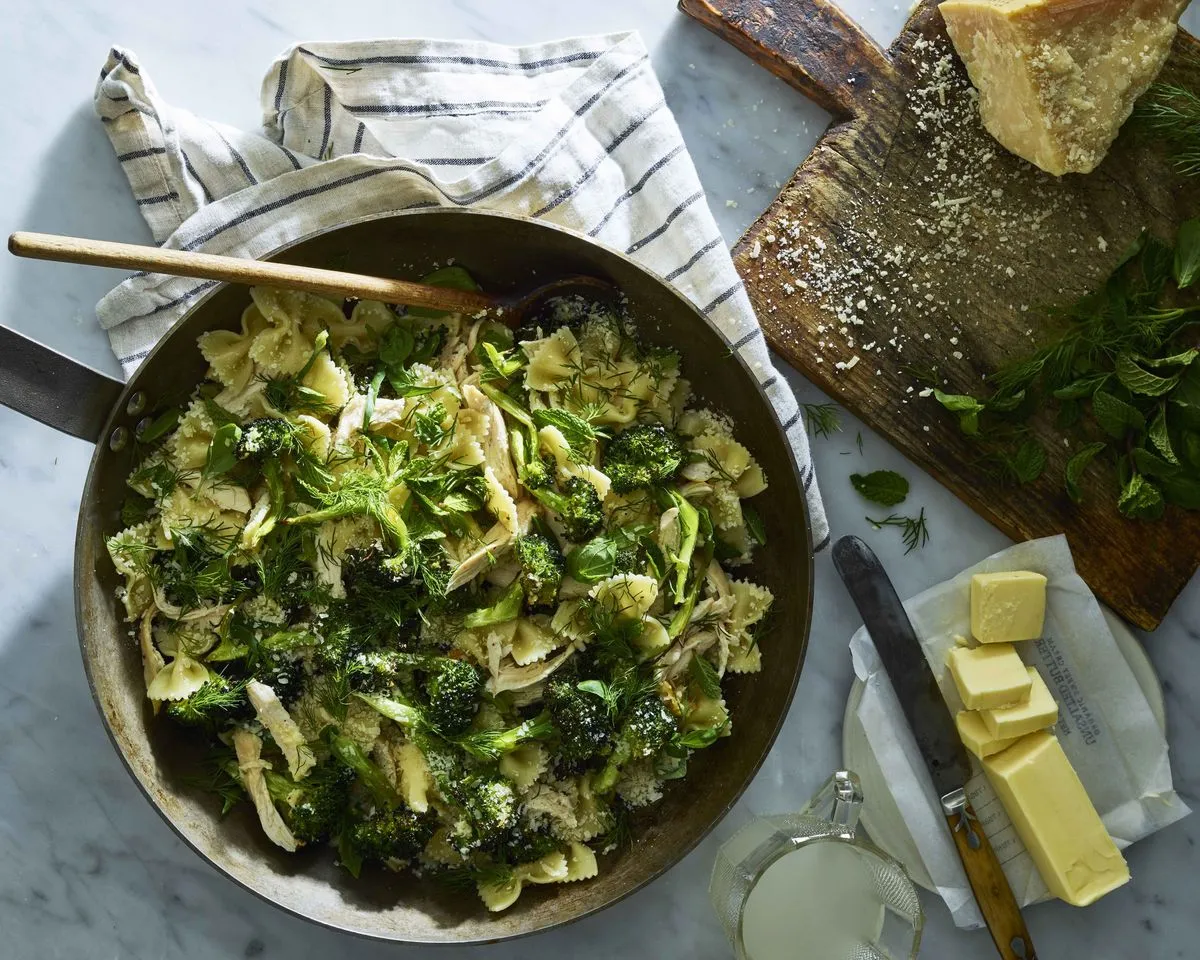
{"x": 182, "y": 263}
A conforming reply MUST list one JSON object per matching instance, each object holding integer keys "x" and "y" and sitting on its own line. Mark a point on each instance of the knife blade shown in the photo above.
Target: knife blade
{"x": 898, "y": 647}
{"x": 937, "y": 738}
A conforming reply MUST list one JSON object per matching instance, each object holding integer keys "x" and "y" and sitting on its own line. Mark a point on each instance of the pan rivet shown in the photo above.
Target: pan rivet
{"x": 136, "y": 404}
{"x": 118, "y": 439}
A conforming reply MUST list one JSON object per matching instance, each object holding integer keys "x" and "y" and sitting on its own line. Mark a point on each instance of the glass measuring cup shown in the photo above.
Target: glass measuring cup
{"x": 803, "y": 885}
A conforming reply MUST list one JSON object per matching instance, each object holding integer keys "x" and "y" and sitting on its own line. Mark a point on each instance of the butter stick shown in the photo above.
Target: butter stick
{"x": 989, "y": 676}
{"x": 1056, "y": 821}
{"x": 1039, "y": 710}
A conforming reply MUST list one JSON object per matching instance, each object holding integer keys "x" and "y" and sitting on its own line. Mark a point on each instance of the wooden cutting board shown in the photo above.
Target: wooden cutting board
{"x": 910, "y": 240}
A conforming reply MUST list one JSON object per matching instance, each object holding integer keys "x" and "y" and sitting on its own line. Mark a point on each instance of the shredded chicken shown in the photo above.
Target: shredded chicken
{"x": 251, "y": 767}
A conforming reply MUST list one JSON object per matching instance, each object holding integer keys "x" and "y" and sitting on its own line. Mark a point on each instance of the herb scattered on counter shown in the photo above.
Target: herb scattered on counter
{"x": 823, "y": 418}
{"x": 1172, "y": 113}
{"x": 914, "y": 531}
{"x": 858, "y": 443}
{"x": 1122, "y": 379}
{"x": 884, "y": 487}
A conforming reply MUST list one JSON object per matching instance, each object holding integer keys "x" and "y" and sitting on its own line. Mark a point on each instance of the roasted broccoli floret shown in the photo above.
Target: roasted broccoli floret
{"x": 542, "y": 567}
{"x": 644, "y": 455}
{"x": 519, "y": 844}
{"x": 455, "y": 689}
{"x": 646, "y": 728}
{"x": 578, "y": 508}
{"x": 506, "y": 607}
{"x": 267, "y": 437}
{"x": 391, "y": 835}
{"x": 581, "y": 719}
{"x": 313, "y": 807}
{"x": 535, "y": 471}
{"x": 490, "y": 804}
{"x": 218, "y": 700}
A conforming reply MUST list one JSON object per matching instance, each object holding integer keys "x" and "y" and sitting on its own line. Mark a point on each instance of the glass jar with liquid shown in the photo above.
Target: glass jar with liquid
{"x": 805, "y": 886}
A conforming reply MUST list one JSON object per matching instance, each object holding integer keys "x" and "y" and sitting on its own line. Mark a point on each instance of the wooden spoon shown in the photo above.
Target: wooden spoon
{"x": 513, "y": 311}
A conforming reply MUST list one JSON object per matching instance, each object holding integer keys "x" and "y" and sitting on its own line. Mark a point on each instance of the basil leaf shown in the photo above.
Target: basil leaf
{"x": 1115, "y": 416}
{"x": 1140, "y": 499}
{"x": 594, "y": 687}
{"x": 1135, "y": 379}
{"x": 1075, "y": 467}
{"x": 396, "y": 346}
{"x": 1187, "y": 254}
{"x": 222, "y": 454}
{"x": 594, "y": 561}
{"x": 372, "y": 395}
{"x": 885, "y": 487}
{"x": 699, "y": 739}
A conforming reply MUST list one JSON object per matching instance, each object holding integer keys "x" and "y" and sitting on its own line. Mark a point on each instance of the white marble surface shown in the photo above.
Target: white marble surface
{"x": 87, "y": 870}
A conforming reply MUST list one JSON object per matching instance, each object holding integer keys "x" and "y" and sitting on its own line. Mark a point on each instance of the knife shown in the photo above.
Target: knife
{"x": 937, "y": 737}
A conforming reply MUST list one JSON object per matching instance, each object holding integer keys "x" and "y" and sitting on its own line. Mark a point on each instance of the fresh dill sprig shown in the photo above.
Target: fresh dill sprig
{"x": 914, "y": 530}
{"x": 823, "y": 419}
{"x": 1172, "y": 113}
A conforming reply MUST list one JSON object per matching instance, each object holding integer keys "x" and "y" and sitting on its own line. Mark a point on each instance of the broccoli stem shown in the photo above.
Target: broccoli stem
{"x": 508, "y": 607}
{"x": 683, "y": 615}
{"x": 689, "y": 527}
{"x": 351, "y": 754}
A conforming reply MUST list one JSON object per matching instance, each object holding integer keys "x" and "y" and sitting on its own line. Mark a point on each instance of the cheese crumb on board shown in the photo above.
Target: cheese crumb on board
{"x": 1008, "y": 607}
{"x": 1056, "y": 820}
{"x": 1057, "y": 79}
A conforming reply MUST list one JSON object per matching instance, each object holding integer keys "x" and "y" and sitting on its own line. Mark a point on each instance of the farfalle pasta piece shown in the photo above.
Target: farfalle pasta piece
{"x": 178, "y": 680}
{"x": 535, "y": 639}
{"x": 752, "y": 482}
{"x": 693, "y": 423}
{"x": 747, "y": 659}
{"x": 552, "y": 360}
{"x": 368, "y": 319}
{"x": 570, "y": 621}
{"x": 329, "y": 380}
{"x": 228, "y": 351}
{"x": 499, "y": 503}
{"x": 293, "y": 320}
{"x": 552, "y": 441}
{"x": 653, "y": 638}
{"x": 190, "y": 442}
{"x": 750, "y": 603}
{"x": 524, "y": 765}
{"x": 629, "y": 596}
{"x": 728, "y": 458}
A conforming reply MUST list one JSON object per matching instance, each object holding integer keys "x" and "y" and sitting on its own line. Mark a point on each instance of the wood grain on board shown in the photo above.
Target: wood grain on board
{"x": 910, "y": 240}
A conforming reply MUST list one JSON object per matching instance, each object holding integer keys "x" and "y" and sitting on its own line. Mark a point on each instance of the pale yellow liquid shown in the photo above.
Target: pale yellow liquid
{"x": 816, "y": 903}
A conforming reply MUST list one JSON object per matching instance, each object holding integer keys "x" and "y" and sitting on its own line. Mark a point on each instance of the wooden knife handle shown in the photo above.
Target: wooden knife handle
{"x": 992, "y": 892}
{"x": 810, "y": 44}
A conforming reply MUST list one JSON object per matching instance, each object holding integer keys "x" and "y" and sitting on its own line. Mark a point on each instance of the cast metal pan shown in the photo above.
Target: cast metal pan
{"x": 504, "y": 253}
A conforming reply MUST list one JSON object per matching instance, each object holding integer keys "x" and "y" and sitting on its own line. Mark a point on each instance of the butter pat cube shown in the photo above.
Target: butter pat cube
{"x": 989, "y": 676}
{"x": 1057, "y": 78}
{"x": 1038, "y": 711}
{"x": 1055, "y": 819}
{"x": 976, "y": 737}
{"x": 1008, "y": 607}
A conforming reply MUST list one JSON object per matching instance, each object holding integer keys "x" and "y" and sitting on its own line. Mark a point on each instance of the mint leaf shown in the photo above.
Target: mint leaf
{"x": 454, "y": 277}
{"x": 1135, "y": 379}
{"x": 1187, "y": 254}
{"x": 1075, "y": 467}
{"x": 1140, "y": 499}
{"x": 967, "y": 407}
{"x": 1177, "y": 484}
{"x": 754, "y": 525}
{"x": 885, "y": 487}
{"x": 1115, "y": 416}
{"x": 1161, "y": 437}
{"x": 580, "y": 434}
{"x": 1027, "y": 464}
{"x": 1174, "y": 360}
{"x": 704, "y": 674}
{"x": 159, "y": 426}
{"x": 1083, "y": 387}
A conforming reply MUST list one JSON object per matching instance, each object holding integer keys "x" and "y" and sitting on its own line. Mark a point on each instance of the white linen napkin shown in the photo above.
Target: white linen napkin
{"x": 574, "y": 131}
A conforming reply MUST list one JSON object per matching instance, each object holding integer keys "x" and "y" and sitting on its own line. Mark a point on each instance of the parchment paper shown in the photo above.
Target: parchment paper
{"x": 1105, "y": 724}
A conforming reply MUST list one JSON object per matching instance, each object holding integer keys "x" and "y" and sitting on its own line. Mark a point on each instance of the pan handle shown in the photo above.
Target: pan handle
{"x": 54, "y": 389}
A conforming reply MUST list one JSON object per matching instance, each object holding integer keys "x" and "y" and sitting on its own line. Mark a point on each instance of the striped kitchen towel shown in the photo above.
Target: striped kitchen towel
{"x": 576, "y": 132}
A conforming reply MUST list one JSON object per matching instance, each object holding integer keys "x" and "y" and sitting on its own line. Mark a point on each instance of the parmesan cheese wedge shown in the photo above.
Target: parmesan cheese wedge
{"x": 1058, "y": 78}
